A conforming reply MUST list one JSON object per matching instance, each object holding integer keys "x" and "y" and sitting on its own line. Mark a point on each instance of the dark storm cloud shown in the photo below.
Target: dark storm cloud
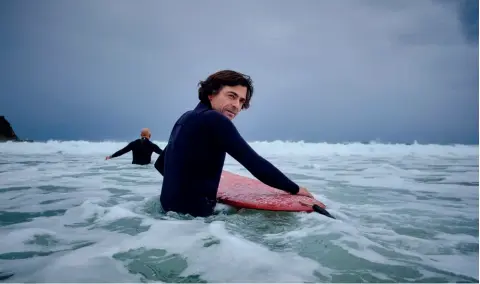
{"x": 323, "y": 70}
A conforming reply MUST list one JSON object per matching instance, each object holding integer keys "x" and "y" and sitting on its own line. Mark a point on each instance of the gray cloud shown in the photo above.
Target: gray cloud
{"x": 323, "y": 71}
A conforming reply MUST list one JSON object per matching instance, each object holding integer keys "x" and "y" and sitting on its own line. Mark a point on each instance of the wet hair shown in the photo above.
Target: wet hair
{"x": 216, "y": 81}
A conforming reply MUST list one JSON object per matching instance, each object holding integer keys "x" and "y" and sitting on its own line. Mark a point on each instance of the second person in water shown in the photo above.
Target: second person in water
{"x": 142, "y": 149}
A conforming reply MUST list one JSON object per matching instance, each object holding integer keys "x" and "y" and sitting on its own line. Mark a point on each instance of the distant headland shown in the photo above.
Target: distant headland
{"x": 7, "y": 133}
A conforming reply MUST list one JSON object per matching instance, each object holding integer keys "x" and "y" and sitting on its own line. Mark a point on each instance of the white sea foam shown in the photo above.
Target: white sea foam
{"x": 404, "y": 213}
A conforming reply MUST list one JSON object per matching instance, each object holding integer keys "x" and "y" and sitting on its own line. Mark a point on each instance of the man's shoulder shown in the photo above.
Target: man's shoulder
{"x": 136, "y": 141}
{"x": 204, "y": 116}
{"x": 215, "y": 117}
{"x": 184, "y": 116}
{"x": 208, "y": 114}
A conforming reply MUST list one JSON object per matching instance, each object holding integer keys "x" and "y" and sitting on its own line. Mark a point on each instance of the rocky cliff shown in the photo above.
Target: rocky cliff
{"x": 6, "y": 131}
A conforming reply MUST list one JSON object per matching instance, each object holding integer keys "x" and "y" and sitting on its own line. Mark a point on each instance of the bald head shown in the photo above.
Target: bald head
{"x": 145, "y": 133}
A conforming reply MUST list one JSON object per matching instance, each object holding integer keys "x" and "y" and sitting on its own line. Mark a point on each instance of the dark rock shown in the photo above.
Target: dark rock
{"x": 7, "y": 133}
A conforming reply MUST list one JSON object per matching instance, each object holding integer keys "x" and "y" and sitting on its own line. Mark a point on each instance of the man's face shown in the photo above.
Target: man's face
{"x": 229, "y": 100}
{"x": 145, "y": 132}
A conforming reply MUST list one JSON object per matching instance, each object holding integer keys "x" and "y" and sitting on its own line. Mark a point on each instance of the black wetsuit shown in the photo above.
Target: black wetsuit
{"x": 142, "y": 150}
{"x": 192, "y": 162}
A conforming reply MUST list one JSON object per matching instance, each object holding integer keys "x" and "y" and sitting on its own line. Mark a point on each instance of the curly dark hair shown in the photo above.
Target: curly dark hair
{"x": 216, "y": 81}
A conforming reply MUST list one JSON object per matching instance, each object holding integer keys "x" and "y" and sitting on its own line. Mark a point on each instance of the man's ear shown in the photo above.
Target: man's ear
{"x": 213, "y": 94}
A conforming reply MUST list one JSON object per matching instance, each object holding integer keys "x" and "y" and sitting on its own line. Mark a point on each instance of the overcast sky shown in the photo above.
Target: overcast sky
{"x": 333, "y": 71}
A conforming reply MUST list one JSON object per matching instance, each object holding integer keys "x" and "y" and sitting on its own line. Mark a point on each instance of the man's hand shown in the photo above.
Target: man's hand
{"x": 303, "y": 191}
{"x": 108, "y": 157}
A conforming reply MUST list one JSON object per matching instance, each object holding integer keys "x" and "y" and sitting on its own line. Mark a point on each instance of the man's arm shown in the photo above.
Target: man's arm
{"x": 238, "y": 148}
{"x": 159, "y": 163}
{"x": 156, "y": 149}
{"x": 122, "y": 151}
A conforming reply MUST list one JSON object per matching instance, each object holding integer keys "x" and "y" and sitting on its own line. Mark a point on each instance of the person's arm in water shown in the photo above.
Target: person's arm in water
{"x": 156, "y": 149}
{"x": 159, "y": 163}
{"x": 238, "y": 148}
{"x": 122, "y": 151}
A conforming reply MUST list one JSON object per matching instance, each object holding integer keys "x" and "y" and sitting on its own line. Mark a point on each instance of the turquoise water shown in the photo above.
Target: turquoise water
{"x": 404, "y": 214}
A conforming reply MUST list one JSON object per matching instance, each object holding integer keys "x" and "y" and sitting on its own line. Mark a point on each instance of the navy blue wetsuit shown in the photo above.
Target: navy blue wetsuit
{"x": 192, "y": 162}
{"x": 142, "y": 150}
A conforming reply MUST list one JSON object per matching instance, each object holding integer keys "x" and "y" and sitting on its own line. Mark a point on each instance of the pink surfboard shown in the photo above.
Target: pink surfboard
{"x": 244, "y": 192}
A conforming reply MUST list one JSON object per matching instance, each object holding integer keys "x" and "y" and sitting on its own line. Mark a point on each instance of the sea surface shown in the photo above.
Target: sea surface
{"x": 405, "y": 213}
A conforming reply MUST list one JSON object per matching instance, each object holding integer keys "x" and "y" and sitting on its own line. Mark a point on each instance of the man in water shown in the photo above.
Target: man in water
{"x": 192, "y": 162}
{"x": 141, "y": 148}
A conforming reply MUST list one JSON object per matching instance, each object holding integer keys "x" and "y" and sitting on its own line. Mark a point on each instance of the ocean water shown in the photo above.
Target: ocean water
{"x": 405, "y": 213}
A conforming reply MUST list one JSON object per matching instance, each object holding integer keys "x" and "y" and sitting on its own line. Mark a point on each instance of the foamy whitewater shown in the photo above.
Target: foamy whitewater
{"x": 404, "y": 213}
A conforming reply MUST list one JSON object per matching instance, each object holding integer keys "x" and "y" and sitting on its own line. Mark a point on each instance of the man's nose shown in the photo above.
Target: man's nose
{"x": 236, "y": 104}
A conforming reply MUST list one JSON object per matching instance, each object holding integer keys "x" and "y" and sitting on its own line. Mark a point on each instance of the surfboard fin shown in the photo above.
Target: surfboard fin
{"x": 322, "y": 211}
{"x": 318, "y": 209}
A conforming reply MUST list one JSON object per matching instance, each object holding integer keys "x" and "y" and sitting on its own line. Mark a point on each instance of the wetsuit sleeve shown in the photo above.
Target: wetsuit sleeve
{"x": 126, "y": 149}
{"x": 238, "y": 148}
{"x": 156, "y": 149}
{"x": 159, "y": 163}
